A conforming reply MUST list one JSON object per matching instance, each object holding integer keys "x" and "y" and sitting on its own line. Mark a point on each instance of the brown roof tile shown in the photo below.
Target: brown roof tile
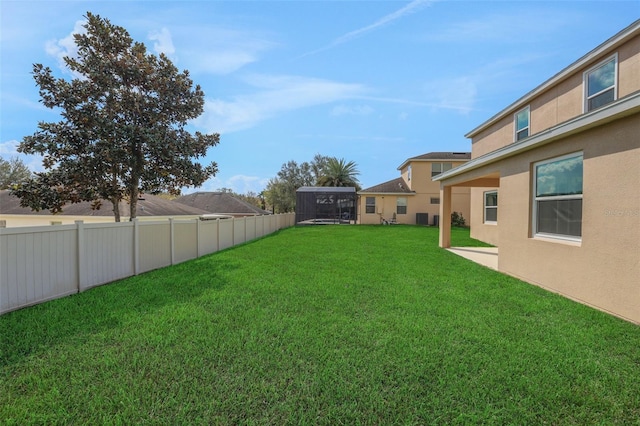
{"x": 220, "y": 203}
{"x": 395, "y": 186}
{"x": 148, "y": 205}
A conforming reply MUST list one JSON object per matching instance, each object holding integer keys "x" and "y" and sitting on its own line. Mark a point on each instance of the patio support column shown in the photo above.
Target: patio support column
{"x": 445, "y": 216}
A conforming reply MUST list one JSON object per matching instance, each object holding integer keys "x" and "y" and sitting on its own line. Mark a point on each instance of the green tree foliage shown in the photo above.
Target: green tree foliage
{"x": 12, "y": 172}
{"x": 338, "y": 172}
{"x": 122, "y": 129}
{"x": 281, "y": 190}
{"x": 280, "y": 193}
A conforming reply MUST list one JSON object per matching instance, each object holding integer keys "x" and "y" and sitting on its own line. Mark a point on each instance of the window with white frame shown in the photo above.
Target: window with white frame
{"x": 437, "y": 168}
{"x": 409, "y": 172}
{"x": 557, "y": 197}
{"x": 600, "y": 84}
{"x": 370, "y": 205}
{"x": 522, "y": 124}
{"x": 401, "y": 205}
{"x": 491, "y": 207}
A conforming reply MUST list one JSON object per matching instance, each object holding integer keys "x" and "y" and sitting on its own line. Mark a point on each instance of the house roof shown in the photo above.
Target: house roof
{"x": 220, "y": 203}
{"x": 334, "y": 189}
{"x": 442, "y": 156}
{"x": 395, "y": 186}
{"x": 148, "y": 205}
{"x": 612, "y": 43}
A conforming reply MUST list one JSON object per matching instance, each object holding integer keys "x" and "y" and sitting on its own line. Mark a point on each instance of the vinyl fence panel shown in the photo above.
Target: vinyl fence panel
{"x": 47, "y": 262}
{"x": 106, "y": 254}
{"x": 37, "y": 264}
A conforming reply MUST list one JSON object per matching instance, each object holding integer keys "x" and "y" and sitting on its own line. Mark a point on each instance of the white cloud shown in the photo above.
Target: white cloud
{"x": 9, "y": 147}
{"x": 219, "y": 50}
{"x": 163, "y": 42}
{"x": 458, "y": 93}
{"x": 240, "y": 184}
{"x": 65, "y": 46}
{"x": 508, "y": 27}
{"x": 9, "y": 150}
{"x": 277, "y": 94}
{"x": 410, "y": 8}
{"x": 360, "y": 110}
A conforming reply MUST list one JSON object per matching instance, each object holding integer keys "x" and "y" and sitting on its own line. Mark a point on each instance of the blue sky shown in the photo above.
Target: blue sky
{"x": 375, "y": 82}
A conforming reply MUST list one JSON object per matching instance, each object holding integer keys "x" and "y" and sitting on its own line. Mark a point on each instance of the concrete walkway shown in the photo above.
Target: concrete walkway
{"x": 486, "y": 256}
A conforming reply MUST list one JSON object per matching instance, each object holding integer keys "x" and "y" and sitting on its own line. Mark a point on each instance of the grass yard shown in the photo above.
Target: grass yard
{"x": 320, "y": 325}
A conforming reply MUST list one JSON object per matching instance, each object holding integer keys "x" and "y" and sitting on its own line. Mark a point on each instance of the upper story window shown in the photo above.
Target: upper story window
{"x": 557, "y": 197}
{"x": 370, "y": 206}
{"x": 522, "y": 124}
{"x": 437, "y": 168}
{"x": 409, "y": 172}
{"x": 401, "y": 205}
{"x": 600, "y": 84}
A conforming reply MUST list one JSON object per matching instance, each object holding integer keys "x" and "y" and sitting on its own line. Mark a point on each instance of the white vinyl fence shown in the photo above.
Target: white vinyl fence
{"x": 48, "y": 262}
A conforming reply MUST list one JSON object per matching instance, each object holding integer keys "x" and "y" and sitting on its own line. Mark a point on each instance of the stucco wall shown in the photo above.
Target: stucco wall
{"x": 420, "y": 202}
{"x": 562, "y": 101}
{"x": 603, "y": 270}
{"x": 480, "y": 230}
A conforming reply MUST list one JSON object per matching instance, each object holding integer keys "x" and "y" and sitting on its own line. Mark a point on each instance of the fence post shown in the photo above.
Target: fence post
{"x": 197, "y": 238}
{"x": 136, "y": 247}
{"x": 172, "y": 241}
{"x": 80, "y": 257}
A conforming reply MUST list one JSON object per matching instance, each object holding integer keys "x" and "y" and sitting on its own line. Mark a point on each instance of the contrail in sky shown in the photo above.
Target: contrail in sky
{"x": 406, "y": 10}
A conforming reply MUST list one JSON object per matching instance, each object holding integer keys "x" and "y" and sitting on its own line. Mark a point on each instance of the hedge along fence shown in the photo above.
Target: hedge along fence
{"x": 48, "y": 262}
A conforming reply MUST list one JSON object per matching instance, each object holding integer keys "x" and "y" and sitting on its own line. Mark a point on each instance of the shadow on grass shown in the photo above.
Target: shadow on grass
{"x": 39, "y": 328}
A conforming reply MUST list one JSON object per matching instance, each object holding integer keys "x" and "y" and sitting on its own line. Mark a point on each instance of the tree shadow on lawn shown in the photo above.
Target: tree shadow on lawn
{"x": 75, "y": 318}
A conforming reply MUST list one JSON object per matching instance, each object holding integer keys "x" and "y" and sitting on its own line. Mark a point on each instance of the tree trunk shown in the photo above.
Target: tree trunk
{"x": 116, "y": 208}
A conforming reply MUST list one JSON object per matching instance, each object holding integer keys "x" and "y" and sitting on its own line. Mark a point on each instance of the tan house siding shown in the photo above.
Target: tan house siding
{"x": 423, "y": 188}
{"x": 600, "y": 266}
{"x": 562, "y": 101}
{"x": 602, "y": 270}
{"x": 629, "y": 67}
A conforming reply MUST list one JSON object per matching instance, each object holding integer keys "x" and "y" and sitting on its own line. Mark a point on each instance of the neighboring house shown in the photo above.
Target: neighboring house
{"x": 150, "y": 207}
{"x": 555, "y": 181}
{"x": 414, "y": 198}
{"x": 220, "y": 203}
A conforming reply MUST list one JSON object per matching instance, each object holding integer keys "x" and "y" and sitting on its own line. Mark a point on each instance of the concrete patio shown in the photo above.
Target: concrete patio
{"x": 486, "y": 256}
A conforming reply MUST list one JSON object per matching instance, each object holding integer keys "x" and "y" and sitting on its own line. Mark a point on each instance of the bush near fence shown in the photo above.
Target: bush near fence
{"x": 48, "y": 262}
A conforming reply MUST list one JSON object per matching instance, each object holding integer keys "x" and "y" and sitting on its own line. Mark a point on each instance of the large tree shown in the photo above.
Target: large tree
{"x": 122, "y": 129}
{"x": 339, "y": 172}
{"x": 12, "y": 172}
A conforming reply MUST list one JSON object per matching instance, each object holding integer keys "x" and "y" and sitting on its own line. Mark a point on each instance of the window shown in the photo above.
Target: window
{"x": 401, "y": 205}
{"x": 557, "y": 206}
{"x": 370, "y": 205}
{"x": 600, "y": 84}
{"x": 437, "y": 168}
{"x": 435, "y": 200}
{"x": 491, "y": 207}
{"x": 522, "y": 124}
{"x": 409, "y": 173}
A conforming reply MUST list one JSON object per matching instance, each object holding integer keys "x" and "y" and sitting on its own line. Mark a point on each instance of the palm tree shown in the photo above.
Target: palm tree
{"x": 339, "y": 173}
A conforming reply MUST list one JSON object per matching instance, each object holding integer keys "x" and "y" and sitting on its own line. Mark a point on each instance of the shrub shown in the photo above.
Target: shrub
{"x": 457, "y": 219}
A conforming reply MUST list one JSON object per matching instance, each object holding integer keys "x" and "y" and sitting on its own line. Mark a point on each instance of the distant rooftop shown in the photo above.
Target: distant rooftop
{"x": 326, "y": 189}
{"x": 148, "y": 205}
{"x": 220, "y": 203}
{"x": 444, "y": 156}
{"x": 395, "y": 186}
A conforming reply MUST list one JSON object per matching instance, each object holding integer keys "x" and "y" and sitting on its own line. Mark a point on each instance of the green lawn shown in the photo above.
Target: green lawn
{"x": 325, "y": 325}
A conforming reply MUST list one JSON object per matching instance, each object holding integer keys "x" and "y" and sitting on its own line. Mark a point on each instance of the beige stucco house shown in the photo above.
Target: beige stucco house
{"x": 555, "y": 181}
{"x": 414, "y": 198}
